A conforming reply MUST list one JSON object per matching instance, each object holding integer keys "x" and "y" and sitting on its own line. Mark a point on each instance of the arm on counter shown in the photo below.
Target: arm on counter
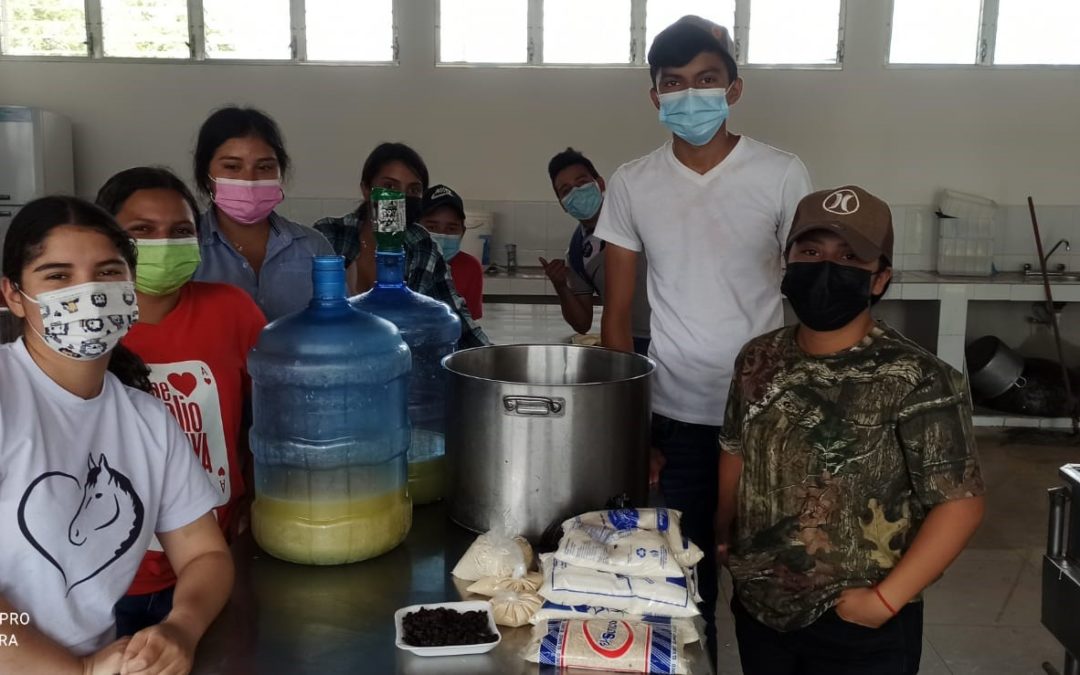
{"x": 942, "y": 537}
{"x": 620, "y": 277}
{"x": 204, "y": 578}
{"x": 36, "y": 653}
{"x": 577, "y": 308}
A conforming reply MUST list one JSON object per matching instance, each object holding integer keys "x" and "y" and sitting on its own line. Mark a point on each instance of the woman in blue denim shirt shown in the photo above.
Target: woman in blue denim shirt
{"x": 240, "y": 161}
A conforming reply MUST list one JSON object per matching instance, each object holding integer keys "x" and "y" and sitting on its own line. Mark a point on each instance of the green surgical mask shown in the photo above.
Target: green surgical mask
{"x": 165, "y": 264}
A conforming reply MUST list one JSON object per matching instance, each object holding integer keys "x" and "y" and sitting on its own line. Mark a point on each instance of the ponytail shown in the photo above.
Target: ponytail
{"x": 129, "y": 369}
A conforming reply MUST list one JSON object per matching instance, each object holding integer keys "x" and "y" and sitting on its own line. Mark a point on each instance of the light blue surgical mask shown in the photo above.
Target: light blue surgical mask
{"x": 584, "y": 201}
{"x": 694, "y": 115}
{"x": 449, "y": 244}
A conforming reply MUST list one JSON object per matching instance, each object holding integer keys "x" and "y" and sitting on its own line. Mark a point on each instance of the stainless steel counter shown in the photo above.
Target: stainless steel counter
{"x": 294, "y": 619}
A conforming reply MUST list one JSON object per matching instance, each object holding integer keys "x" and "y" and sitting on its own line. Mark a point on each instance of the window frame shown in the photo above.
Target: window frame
{"x": 637, "y": 44}
{"x": 197, "y": 42}
{"x": 985, "y": 46}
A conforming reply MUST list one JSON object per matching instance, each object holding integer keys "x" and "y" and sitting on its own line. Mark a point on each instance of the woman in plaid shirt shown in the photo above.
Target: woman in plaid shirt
{"x": 396, "y": 166}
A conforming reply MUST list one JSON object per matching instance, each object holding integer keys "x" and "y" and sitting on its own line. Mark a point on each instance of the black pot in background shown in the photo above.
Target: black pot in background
{"x": 993, "y": 368}
{"x": 1043, "y": 395}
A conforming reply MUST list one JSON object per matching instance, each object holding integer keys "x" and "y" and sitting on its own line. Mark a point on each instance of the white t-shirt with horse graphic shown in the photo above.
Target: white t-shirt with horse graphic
{"x": 84, "y": 485}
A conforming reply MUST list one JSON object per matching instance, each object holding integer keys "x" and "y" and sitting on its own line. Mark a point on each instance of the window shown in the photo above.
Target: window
{"x": 483, "y": 31}
{"x": 358, "y": 30}
{"x": 659, "y": 14}
{"x": 785, "y": 32}
{"x": 935, "y": 31}
{"x": 43, "y": 27}
{"x": 1037, "y": 31}
{"x": 247, "y": 29}
{"x": 1002, "y": 32}
{"x": 145, "y": 28}
{"x": 597, "y": 31}
{"x": 293, "y": 30}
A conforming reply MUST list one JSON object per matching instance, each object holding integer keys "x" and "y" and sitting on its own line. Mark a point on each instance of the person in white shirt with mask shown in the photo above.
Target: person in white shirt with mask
{"x": 711, "y": 210}
{"x": 91, "y": 468}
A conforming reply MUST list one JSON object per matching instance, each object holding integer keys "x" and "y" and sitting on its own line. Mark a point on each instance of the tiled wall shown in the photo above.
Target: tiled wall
{"x": 543, "y": 229}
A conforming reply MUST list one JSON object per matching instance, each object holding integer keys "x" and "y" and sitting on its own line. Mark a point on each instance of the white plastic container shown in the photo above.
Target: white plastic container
{"x": 966, "y": 239}
{"x": 479, "y": 227}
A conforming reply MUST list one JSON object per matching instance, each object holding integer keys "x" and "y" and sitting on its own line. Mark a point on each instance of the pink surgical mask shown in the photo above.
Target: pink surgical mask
{"x": 247, "y": 201}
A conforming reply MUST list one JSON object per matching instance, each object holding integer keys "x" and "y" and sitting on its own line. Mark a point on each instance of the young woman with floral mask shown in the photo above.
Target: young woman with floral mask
{"x": 195, "y": 336}
{"x": 93, "y": 469}
{"x": 240, "y": 163}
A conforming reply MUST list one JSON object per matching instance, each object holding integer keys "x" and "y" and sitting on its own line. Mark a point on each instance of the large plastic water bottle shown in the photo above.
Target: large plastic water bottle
{"x": 330, "y": 430}
{"x": 432, "y": 330}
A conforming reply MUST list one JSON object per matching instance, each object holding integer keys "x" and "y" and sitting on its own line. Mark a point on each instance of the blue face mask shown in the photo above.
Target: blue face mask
{"x": 449, "y": 244}
{"x": 694, "y": 115}
{"x": 584, "y": 201}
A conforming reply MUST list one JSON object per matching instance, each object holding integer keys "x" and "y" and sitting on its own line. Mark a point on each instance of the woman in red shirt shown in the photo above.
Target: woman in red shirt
{"x": 195, "y": 338}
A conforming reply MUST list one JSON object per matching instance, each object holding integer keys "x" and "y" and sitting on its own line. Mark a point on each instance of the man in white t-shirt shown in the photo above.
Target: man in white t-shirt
{"x": 711, "y": 210}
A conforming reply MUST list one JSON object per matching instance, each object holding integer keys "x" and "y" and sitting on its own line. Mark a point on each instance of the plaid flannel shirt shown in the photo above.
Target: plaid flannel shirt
{"x": 425, "y": 270}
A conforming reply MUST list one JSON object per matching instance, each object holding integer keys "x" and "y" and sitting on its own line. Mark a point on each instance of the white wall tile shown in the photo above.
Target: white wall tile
{"x": 530, "y": 257}
{"x": 340, "y": 206}
{"x": 496, "y": 286}
{"x": 920, "y": 291}
{"x": 1013, "y": 263}
{"x": 950, "y": 348}
{"x": 919, "y": 261}
{"x": 560, "y": 227}
{"x": 530, "y": 223}
{"x": 953, "y": 309}
{"x": 919, "y": 231}
{"x": 1018, "y": 234}
{"x": 307, "y": 211}
{"x": 899, "y": 219}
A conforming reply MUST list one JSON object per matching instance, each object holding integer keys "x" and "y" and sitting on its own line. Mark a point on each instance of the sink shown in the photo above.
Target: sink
{"x": 1055, "y": 278}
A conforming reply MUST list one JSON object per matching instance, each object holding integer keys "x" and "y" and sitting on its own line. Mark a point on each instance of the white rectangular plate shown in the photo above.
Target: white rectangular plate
{"x": 452, "y": 650}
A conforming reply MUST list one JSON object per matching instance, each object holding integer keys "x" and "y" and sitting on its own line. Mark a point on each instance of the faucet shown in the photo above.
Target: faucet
{"x": 1068, "y": 247}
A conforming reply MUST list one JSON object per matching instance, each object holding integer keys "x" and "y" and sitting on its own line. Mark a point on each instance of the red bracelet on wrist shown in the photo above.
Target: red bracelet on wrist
{"x": 884, "y": 601}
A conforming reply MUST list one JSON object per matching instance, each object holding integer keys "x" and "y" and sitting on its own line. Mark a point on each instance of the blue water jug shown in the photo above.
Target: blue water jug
{"x": 330, "y": 430}
{"x": 432, "y": 330}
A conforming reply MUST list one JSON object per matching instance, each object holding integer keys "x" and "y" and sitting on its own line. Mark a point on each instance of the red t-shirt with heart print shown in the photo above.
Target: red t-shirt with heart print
{"x": 198, "y": 368}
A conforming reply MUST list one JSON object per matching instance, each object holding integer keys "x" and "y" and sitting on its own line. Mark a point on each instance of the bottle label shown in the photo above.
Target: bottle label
{"x": 388, "y": 207}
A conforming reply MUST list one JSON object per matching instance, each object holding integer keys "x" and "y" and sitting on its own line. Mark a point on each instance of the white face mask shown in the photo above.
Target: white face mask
{"x": 86, "y": 321}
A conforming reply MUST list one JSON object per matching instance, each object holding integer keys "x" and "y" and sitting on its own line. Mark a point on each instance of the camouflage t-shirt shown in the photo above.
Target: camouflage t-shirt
{"x": 843, "y": 457}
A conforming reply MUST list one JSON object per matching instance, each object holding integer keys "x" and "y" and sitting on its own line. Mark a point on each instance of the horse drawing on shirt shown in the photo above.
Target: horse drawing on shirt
{"x": 108, "y": 520}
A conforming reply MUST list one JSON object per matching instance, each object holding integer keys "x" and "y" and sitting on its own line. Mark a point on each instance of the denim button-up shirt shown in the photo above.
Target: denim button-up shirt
{"x": 283, "y": 284}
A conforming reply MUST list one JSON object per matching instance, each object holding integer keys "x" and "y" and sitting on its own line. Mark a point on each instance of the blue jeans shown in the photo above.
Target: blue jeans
{"x": 688, "y": 482}
{"x": 136, "y": 612}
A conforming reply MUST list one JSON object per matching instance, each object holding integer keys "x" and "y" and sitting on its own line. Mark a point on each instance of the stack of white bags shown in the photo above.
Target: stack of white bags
{"x": 619, "y": 593}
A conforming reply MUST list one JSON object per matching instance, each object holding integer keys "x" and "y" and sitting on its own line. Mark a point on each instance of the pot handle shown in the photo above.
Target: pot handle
{"x": 533, "y": 406}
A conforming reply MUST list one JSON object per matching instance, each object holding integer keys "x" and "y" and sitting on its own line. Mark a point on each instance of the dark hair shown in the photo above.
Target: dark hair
{"x": 680, "y": 43}
{"x": 25, "y": 242}
{"x": 386, "y": 153}
{"x": 118, "y": 189}
{"x": 233, "y": 122}
{"x": 567, "y": 158}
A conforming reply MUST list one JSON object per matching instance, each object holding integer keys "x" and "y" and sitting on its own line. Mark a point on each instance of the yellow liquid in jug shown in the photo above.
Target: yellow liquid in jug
{"x": 426, "y": 480}
{"x": 331, "y": 532}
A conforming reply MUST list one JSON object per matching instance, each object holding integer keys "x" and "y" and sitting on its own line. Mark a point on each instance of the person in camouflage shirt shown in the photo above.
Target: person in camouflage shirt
{"x": 849, "y": 479}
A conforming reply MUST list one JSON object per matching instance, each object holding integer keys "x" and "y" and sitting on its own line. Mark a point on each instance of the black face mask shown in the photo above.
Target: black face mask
{"x": 826, "y": 296}
{"x": 413, "y": 206}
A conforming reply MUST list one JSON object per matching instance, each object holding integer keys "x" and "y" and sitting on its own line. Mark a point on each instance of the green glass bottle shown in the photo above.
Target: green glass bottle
{"x": 388, "y": 208}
